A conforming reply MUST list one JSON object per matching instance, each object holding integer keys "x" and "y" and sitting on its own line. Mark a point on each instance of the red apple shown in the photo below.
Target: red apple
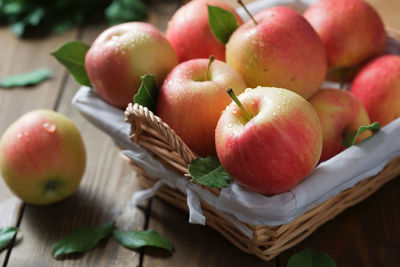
{"x": 190, "y": 34}
{"x": 42, "y": 157}
{"x": 123, "y": 53}
{"x": 340, "y": 113}
{"x": 282, "y": 50}
{"x": 277, "y": 147}
{"x": 351, "y": 30}
{"x": 191, "y": 102}
{"x": 377, "y": 86}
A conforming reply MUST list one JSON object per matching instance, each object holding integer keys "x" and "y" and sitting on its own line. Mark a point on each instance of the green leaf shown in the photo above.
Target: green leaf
{"x": 147, "y": 93}
{"x": 138, "y": 239}
{"x": 120, "y": 11}
{"x": 310, "y": 258}
{"x": 6, "y": 235}
{"x": 27, "y": 78}
{"x": 209, "y": 172}
{"x": 83, "y": 239}
{"x": 72, "y": 56}
{"x": 222, "y": 22}
{"x": 351, "y": 138}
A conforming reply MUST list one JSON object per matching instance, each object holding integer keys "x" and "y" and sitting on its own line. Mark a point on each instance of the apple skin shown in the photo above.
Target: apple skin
{"x": 190, "y": 34}
{"x": 42, "y": 157}
{"x": 278, "y": 147}
{"x": 377, "y": 86}
{"x": 191, "y": 105}
{"x": 351, "y": 30}
{"x": 123, "y": 53}
{"x": 276, "y": 51}
{"x": 339, "y": 113}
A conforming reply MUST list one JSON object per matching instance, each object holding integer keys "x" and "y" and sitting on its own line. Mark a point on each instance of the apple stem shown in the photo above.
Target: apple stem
{"x": 237, "y": 101}
{"x": 210, "y": 61}
{"x": 247, "y": 11}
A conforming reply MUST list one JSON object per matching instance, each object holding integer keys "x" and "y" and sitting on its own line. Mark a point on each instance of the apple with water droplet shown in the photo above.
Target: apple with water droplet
{"x": 122, "y": 54}
{"x": 192, "y": 98}
{"x": 42, "y": 157}
{"x": 272, "y": 142}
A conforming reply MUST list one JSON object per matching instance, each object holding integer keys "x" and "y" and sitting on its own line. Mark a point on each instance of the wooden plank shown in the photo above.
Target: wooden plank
{"x": 18, "y": 55}
{"x": 194, "y": 245}
{"x": 364, "y": 235}
{"x": 103, "y": 196}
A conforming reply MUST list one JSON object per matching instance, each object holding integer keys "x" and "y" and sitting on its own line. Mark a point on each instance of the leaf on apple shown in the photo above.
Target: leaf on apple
{"x": 6, "y": 235}
{"x": 27, "y": 78}
{"x": 72, "y": 56}
{"x": 222, "y": 23}
{"x": 310, "y": 258}
{"x": 83, "y": 239}
{"x": 351, "y": 138}
{"x": 148, "y": 92}
{"x": 209, "y": 172}
{"x": 120, "y": 11}
{"x": 138, "y": 239}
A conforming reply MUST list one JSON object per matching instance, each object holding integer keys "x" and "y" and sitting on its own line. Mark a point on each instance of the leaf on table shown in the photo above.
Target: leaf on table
{"x": 310, "y": 258}
{"x": 6, "y": 235}
{"x": 138, "y": 239}
{"x": 27, "y": 78}
{"x": 148, "y": 92}
{"x": 209, "y": 172}
{"x": 222, "y": 23}
{"x": 83, "y": 239}
{"x": 351, "y": 138}
{"x": 72, "y": 56}
{"x": 120, "y": 11}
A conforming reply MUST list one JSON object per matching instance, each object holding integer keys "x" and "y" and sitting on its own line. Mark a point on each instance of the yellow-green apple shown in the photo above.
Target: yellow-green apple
{"x": 190, "y": 34}
{"x": 123, "y": 53}
{"x": 351, "y": 31}
{"x": 282, "y": 50}
{"x": 340, "y": 113}
{"x": 192, "y": 98}
{"x": 275, "y": 146}
{"x": 42, "y": 157}
{"x": 377, "y": 86}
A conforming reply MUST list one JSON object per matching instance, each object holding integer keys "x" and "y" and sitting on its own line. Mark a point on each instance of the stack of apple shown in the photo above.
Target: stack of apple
{"x": 270, "y": 137}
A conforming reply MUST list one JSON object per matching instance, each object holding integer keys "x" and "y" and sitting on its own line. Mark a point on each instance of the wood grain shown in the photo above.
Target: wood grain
{"x": 103, "y": 196}
{"x": 18, "y": 56}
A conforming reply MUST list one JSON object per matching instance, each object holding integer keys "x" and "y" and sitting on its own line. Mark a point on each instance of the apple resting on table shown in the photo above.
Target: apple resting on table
{"x": 340, "y": 113}
{"x": 192, "y": 98}
{"x": 123, "y": 53}
{"x": 42, "y": 157}
{"x": 377, "y": 86}
{"x": 282, "y": 50}
{"x": 271, "y": 144}
{"x": 190, "y": 34}
{"x": 351, "y": 30}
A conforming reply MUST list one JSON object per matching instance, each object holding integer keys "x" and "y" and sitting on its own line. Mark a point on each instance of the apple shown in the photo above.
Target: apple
{"x": 282, "y": 50}
{"x": 42, "y": 157}
{"x": 275, "y": 146}
{"x": 340, "y": 113}
{"x": 123, "y": 53}
{"x": 190, "y": 34}
{"x": 377, "y": 86}
{"x": 351, "y": 31}
{"x": 192, "y": 98}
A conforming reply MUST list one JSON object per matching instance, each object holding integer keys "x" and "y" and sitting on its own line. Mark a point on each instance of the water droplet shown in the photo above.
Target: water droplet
{"x": 234, "y": 111}
{"x": 274, "y": 114}
{"x": 278, "y": 106}
{"x": 49, "y": 127}
{"x": 230, "y": 125}
{"x": 19, "y": 135}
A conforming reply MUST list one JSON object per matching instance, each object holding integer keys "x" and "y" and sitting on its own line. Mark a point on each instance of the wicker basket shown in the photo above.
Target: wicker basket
{"x": 151, "y": 132}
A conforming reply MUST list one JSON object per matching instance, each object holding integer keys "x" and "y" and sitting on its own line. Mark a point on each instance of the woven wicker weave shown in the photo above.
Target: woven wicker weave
{"x": 151, "y": 132}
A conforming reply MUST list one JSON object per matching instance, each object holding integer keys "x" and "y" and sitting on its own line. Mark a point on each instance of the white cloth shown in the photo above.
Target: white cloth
{"x": 235, "y": 203}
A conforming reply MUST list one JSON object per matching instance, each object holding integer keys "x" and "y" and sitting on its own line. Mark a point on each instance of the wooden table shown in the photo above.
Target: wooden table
{"x": 365, "y": 235}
